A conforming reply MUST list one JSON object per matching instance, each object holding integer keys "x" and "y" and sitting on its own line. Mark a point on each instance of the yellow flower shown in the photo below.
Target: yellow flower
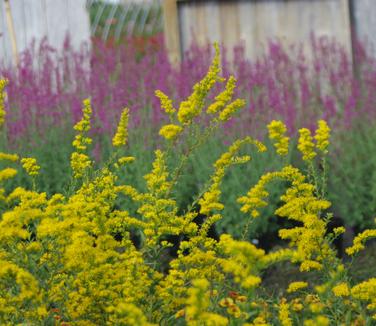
{"x": 309, "y": 265}
{"x": 359, "y": 240}
{"x": 226, "y": 302}
{"x": 3, "y": 83}
{"x": 81, "y": 141}
{"x": 30, "y": 165}
{"x": 170, "y": 131}
{"x": 316, "y": 307}
{"x": 366, "y": 291}
{"x": 306, "y": 145}
{"x": 180, "y": 313}
{"x": 339, "y": 230}
{"x": 284, "y": 313}
{"x": 322, "y": 136}
{"x": 318, "y": 321}
{"x": 341, "y": 290}
{"x": 125, "y": 159}
{"x": 234, "y": 310}
{"x": 277, "y": 131}
{"x": 84, "y": 124}
{"x": 223, "y": 98}
{"x": 198, "y": 303}
{"x": 8, "y": 157}
{"x": 7, "y": 173}
{"x": 296, "y": 286}
{"x": 79, "y": 163}
{"x": 121, "y": 136}
{"x": 230, "y": 109}
{"x": 210, "y": 200}
{"x": 296, "y": 305}
{"x": 166, "y": 103}
{"x": 79, "y": 160}
{"x": 259, "y": 321}
{"x": 192, "y": 107}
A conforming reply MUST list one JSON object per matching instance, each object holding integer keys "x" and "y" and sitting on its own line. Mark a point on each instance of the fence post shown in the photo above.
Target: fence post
{"x": 171, "y": 28}
{"x": 12, "y": 33}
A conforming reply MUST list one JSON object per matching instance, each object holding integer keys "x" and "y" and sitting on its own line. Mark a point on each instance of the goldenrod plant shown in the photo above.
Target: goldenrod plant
{"x": 71, "y": 259}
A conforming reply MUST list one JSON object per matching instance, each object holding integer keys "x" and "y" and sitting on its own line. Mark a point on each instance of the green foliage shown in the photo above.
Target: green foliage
{"x": 352, "y": 183}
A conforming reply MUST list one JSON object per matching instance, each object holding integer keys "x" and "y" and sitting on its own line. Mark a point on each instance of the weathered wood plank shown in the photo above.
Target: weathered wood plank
{"x": 4, "y": 41}
{"x": 254, "y": 22}
{"x": 171, "y": 26}
{"x": 36, "y": 19}
{"x": 364, "y": 15}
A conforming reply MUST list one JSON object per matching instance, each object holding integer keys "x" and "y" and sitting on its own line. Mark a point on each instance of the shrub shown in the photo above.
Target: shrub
{"x": 72, "y": 258}
{"x": 46, "y": 89}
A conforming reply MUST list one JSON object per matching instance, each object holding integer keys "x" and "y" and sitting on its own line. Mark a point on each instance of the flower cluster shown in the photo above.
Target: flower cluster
{"x": 81, "y": 258}
{"x": 277, "y": 131}
{"x": 306, "y": 145}
{"x": 30, "y": 165}
{"x": 80, "y": 161}
{"x": 3, "y": 83}
{"x": 121, "y": 136}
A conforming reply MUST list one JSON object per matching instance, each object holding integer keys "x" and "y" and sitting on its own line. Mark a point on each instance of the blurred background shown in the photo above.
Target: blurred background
{"x": 252, "y": 22}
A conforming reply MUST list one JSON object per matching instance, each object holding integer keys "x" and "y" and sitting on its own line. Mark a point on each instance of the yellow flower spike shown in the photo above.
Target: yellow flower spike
{"x": 306, "y": 145}
{"x": 7, "y": 173}
{"x": 309, "y": 265}
{"x": 157, "y": 180}
{"x": 9, "y": 157}
{"x": 230, "y": 109}
{"x": 317, "y": 321}
{"x": 277, "y": 131}
{"x": 125, "y": 313}
{"x": 166, "y": 103}
{"x": 79, "y": 163}
{"x": 223, "y": 98}
{"x": 210, "y": 200}
{"x": 339, "y": 230}
{"x": 126, "y": 159}
{"x": 366, "y": 291}
{"x": 170, "y": 131}
{"x": 241, "y": 265}
{"x": 30, "y": 165}
{"x": 84, "y": 124}
{"x": 322, "y": 136}
{"x": 79, "y": 160}
{"x": 284, "y": 313}
{"x": 296, "y": 286}
{"x": 180, "y": 313}
{"x": 359, "y": 240}
{"x": 255, "y": 196}
{"x": 193, "y": 105}
{"x": 198, "y": 303}
{"x": 121, "y": 136}
{"x": 22, "y": 290}
{"x": 3, "y": 83}
{"x": 341, "y": 290}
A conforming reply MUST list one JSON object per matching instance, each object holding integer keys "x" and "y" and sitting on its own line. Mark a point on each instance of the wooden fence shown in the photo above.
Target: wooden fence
{"x": 254, "y": 22}
{"x": 35, "y": 19}
{"x": 363, "y": 13}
